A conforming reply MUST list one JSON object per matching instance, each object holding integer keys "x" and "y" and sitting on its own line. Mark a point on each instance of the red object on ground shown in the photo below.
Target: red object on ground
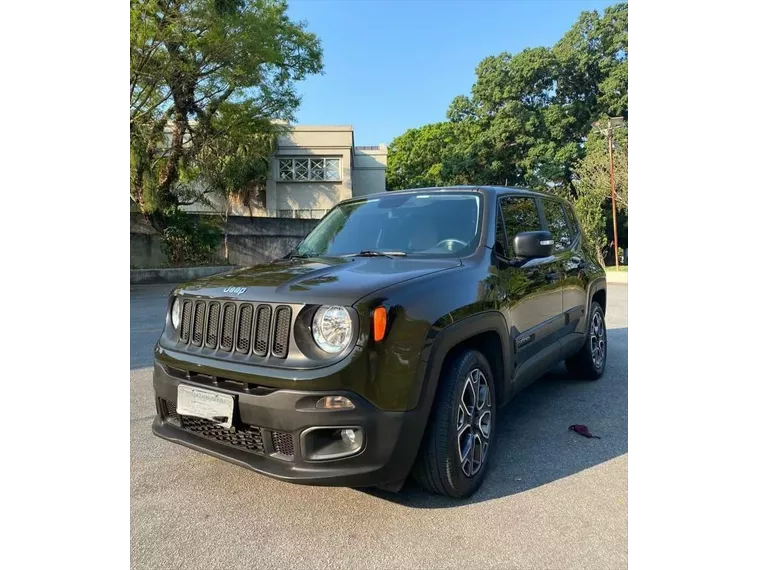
{"x": 582, "y": 430}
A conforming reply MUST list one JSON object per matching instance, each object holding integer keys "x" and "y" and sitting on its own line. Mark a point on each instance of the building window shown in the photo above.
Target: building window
{"x": 308, "y": 214}
{"x": 310, "y": 169}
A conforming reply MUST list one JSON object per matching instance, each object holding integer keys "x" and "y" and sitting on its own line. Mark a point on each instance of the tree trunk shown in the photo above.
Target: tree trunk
{"x": 170, "y": 172}
{"x": 226, "y": 233}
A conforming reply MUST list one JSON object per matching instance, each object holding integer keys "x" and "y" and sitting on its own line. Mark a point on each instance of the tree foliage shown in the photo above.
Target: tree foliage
{"x": 190, "y": 240}
{"x": 429, "y": 156}
{"x": 592, "y": 180}
{"x": 208, "y": 79}
{"x": 528, "y": 117}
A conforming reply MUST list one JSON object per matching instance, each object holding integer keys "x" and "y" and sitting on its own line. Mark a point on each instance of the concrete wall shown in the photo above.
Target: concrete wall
{"x": 369, "y": 169}
{"x": 251, "y": 240}
{"x": 144, "y": 243}
{"x": 237, "y": 208}
{"x": 257, "y": 240}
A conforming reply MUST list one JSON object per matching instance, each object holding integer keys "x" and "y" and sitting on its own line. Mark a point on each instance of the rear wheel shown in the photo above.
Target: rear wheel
{"x": 460, "y": 434}
{"x": 589, "y": 362}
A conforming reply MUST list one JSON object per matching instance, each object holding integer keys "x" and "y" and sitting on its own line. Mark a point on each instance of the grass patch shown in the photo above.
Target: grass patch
{"x": 612, "y": 268}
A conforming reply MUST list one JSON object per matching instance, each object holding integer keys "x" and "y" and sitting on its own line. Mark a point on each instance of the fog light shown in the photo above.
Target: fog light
{"x": 327, "y": 443}
{"x": 335, "y": 403}
{"x": 348, "y": 436}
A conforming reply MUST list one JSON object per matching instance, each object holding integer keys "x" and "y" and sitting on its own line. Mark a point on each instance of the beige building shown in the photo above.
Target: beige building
{"x": 313, "y": 168}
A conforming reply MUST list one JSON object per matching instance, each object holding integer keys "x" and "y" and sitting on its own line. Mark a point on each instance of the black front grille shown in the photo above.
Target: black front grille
{"x": 186, "y": 316}
{"x": 245, "y": 437}
{"x": 211, "y": 337}
{"x": 281, "y": 332}
{"x": 248, "y": 437}
{"x": 171, "y": 410}
{"x": 235, "y": 327}
{"x": 198, "y": 323}
{"x": 245, "y": 330}
{"x": 262, "y": 330}
{"x": 227, "y": 328}
{"x": 283, "y": 443}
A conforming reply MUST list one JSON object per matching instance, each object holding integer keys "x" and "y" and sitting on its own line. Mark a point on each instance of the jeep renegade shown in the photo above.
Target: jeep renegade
{"x": 384, "y": 344}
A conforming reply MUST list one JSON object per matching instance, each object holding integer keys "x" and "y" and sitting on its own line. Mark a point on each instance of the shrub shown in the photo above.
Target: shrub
{"x": 190, "y": 239}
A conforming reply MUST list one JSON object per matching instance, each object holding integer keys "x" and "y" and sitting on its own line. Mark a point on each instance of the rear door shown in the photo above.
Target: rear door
{"x": 565, "y": 231}
{"x": 532, "y": 303}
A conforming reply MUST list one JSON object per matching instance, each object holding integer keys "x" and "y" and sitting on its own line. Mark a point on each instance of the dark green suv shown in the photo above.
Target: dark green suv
{"x": 384, "y": 344}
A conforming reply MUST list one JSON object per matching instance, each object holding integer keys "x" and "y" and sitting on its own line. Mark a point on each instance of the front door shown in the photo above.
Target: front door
{"x": 572, "y": 259}
{"x": 532, "y": 303}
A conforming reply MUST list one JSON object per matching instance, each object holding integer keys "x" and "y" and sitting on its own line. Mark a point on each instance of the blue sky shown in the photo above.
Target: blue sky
{"x": 390, "y": 65}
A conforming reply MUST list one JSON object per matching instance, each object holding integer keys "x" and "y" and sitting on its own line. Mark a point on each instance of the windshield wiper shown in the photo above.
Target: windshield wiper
{"x": 301, "y": 255}
{"x": 374, "y": 253}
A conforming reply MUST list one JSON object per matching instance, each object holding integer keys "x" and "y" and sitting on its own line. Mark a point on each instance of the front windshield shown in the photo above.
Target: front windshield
{"x": 414, "y": 224}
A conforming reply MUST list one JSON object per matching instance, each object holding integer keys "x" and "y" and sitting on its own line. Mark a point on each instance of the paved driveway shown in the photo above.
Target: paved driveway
{"x": 551, "y": 500}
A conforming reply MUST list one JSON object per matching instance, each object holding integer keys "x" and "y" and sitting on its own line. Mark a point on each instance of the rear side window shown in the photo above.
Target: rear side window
{"x": 557, "y": 224}
{"x": 520, "y": 215}
{"x": 572, "y": 221}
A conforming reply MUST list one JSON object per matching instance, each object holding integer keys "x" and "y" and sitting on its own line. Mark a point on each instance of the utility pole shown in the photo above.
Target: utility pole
{"x": 613, "y": 123}
{"x": 613, "y": 197}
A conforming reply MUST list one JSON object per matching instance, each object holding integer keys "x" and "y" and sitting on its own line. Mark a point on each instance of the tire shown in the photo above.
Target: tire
{"x": 589, "y": 362}
{"x": 465, "y": 404}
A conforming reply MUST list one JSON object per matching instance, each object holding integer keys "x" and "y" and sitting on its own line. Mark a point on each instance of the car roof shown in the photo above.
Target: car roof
{"x": 493, "y": 190}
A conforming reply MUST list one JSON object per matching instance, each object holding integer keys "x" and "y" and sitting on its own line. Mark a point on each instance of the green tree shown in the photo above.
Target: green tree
{"x": 429, "y": 156}
{"x": 593, "y": 184}
{"x": 528, "y": 115}
{"x": 208, "y": 80}
{"x": 234, "y": 169}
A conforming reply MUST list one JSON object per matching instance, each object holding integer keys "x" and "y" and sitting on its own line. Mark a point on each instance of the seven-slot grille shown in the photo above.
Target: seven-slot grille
{"x": 239, "y": 327}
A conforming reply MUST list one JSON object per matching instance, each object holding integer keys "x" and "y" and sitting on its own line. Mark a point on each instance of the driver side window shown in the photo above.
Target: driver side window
{"x": 520, "y": 215}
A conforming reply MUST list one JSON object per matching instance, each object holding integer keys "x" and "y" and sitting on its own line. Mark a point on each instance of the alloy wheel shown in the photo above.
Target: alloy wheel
{"x": 474, "y": 422}
{"x": 597, "y": 340}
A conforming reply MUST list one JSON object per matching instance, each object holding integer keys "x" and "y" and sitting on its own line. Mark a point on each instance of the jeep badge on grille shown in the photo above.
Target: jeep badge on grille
{"x": 235, "y": 290}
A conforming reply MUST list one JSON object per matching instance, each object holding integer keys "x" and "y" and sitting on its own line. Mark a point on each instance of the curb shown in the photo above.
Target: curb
{"x": 617, "y": 277}
{"x": 175, "y": 274}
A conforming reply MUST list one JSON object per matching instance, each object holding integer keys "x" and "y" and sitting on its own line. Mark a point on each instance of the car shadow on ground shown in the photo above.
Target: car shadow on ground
{"x": 534, "y": 446}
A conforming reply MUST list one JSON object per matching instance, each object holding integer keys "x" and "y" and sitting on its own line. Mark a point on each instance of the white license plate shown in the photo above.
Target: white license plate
{"x": 205, "y": 404}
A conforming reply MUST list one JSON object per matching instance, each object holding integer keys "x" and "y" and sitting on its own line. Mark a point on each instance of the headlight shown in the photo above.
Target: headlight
{"x": 332, "y": 328}
{"x": 176, "y": 313}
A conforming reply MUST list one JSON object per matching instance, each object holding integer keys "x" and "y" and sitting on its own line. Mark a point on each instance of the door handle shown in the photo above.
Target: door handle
{"x": 578, "y": 263}
{"x": 552, "y": 276}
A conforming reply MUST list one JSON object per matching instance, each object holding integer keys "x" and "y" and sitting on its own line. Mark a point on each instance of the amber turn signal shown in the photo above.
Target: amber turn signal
{"x": 380, "y": 323}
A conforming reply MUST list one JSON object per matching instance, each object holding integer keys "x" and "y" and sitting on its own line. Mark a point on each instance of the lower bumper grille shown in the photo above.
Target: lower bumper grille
{"x": 250, "y": 438}
{"x": 283, "y": 443}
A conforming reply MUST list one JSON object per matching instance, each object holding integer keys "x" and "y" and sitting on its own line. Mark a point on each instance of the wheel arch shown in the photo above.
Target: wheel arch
{"x": 486, "y": 332}
{"x": 597, "y": 291}
{"x": 600, "y": 296}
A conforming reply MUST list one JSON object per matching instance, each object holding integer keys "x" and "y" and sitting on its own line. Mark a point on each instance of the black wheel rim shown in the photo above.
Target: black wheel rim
{"x": 474, "y": 422}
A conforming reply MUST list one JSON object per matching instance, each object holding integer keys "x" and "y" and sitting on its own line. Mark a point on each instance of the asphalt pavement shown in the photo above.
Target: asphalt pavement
{"x": 551, "y": 499}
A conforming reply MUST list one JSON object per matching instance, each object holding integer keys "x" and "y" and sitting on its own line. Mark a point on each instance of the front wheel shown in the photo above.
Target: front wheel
{"x": 459, "y": 437}
{"x": 589, "y": 362}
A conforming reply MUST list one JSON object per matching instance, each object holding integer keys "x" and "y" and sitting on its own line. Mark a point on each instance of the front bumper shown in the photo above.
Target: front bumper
{"x": 269, "y": 426}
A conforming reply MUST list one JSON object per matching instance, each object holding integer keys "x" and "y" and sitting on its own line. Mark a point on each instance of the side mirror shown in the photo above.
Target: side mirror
{"x": 533, "y": 244}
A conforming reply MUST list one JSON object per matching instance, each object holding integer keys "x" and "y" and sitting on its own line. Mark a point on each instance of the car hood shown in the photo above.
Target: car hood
{"x": 317, "y": 280}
